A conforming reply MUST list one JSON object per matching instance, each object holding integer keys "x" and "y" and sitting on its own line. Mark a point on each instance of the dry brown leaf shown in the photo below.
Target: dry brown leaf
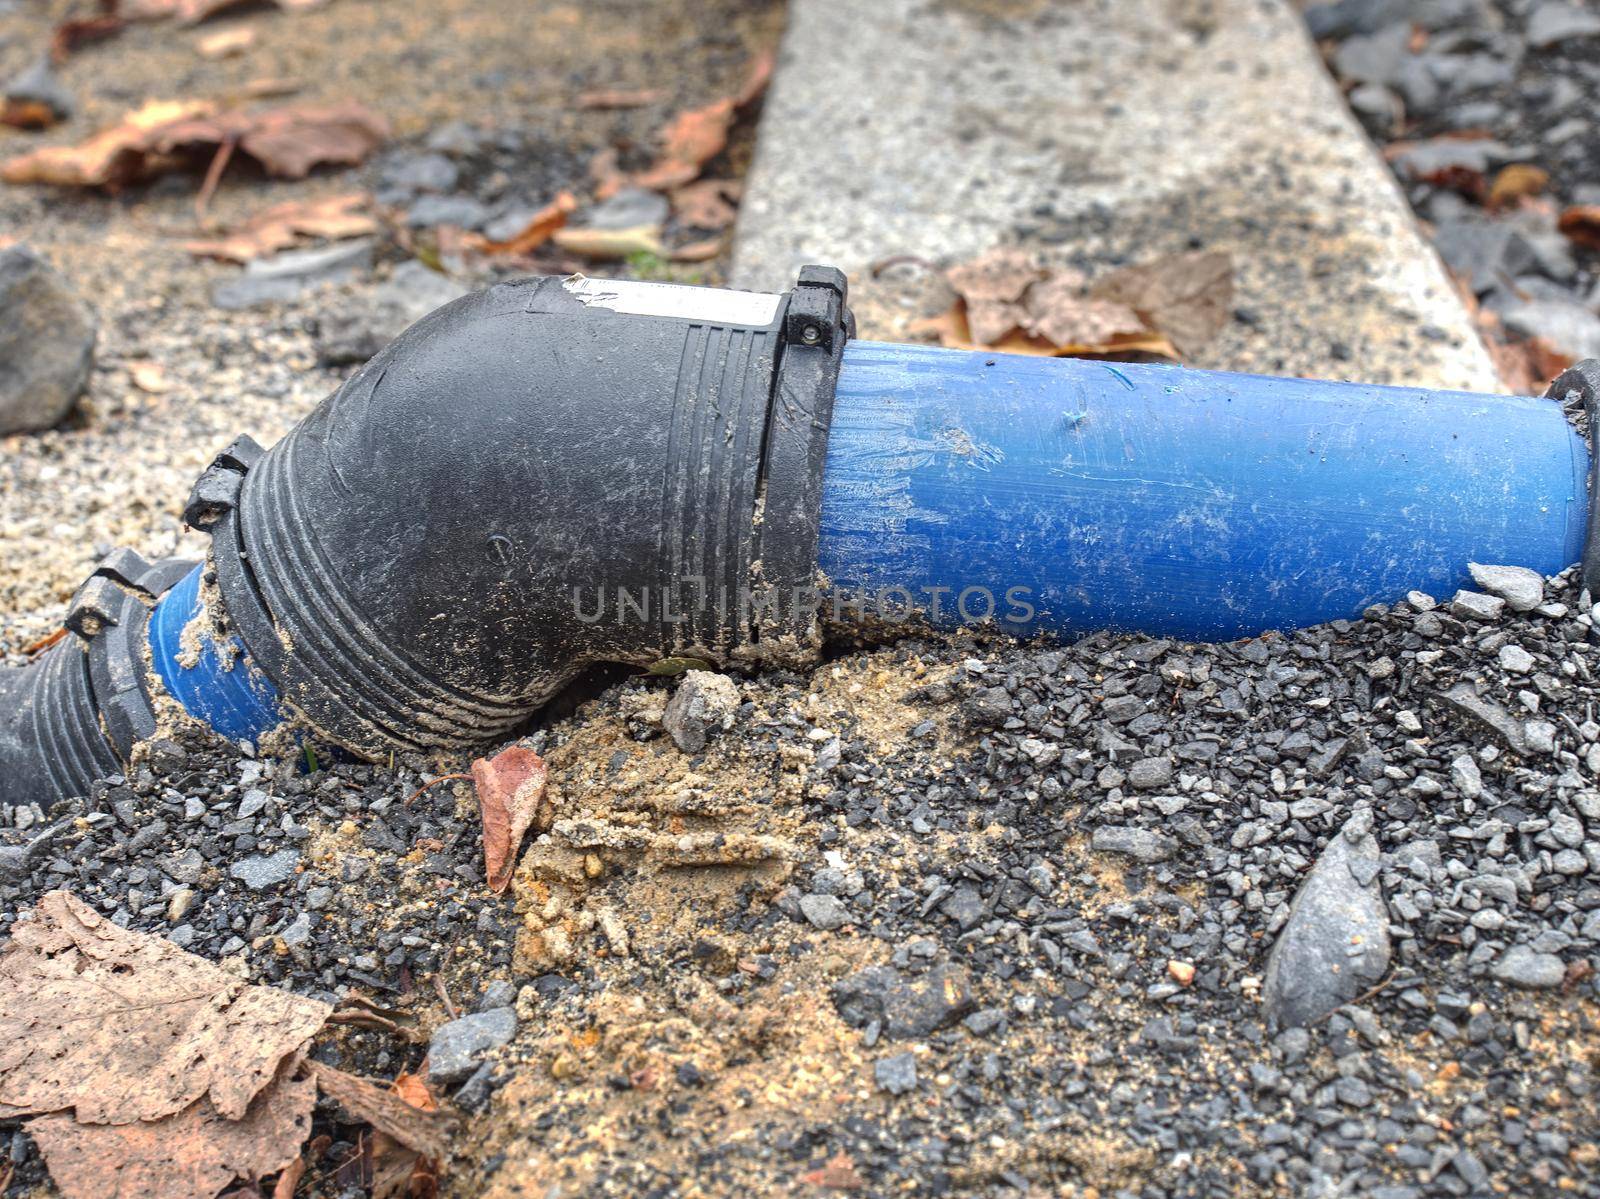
{"x": 698, "y": 251}
{"x": 696, "y": 136}
{"x": 1581, "y": 223}
{"x": 1526, "y": 367}
{"x": 1514, "y": 182}
{"x": 425, "y": 1131}
{"x": 111, "y": 157}
{"x": 287, "y": 141}
{"x": 993, "y": 286}
{"x": 838, "y": 1173}
{"x": 282, "y": 225}
{"x": 192, "y": 1155}
{"x": 149, "y": 377}
{"x": 1187, "y": 297}
{"x": 606, "y": 172}
{"x": 72, "y": 35}
{"x": 510, "y": 789}
{"x": 537, "y": 231}
{"x": 608, "y": 244}
{"x": 1058, "y": 311}
{"x": 398, "y": 1170}
{"x": 708, "y": 204}
{"x": 225, "y": 43}
{"x": 953, "y": 332}
{"x": 289, "y": 1179}
{"x": 123, "y": 1026}
{"x": 26, "y": 114}
{"x": 621, "y": 99}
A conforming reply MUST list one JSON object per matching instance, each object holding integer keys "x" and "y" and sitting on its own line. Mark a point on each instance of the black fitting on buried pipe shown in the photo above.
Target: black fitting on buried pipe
{"x": 411, "y": 566}
{"x": 75, "y": 713}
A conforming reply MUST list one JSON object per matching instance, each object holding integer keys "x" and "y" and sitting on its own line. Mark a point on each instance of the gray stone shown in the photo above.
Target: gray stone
{"x": 458, "y": 1047}
{"x": 1483, "y": 252}
{"x": 1374, "y": 57}
{"x": 1148, "y": 773}
{"x": 1488, "y": 715}
{"x": 1137, "y": 161}
{"x": 905, "y": 1006}
{"x": 40, "y": 85}
{"x": 1515, "y": 659}
{"x": 896, "y": 1074}
{"x": 284, "y": 276}
{"x": 298, "y": 932}
{"x": 1555, "y": 22}
{"x": 1464, "y": 773}
{"x": 501, "y": 992}
{"x": 1335, "y": 944}
{"x": 1474, "y": 605}
{"x": 258, "y": 873}
{"x": 421, "y": 173}
{"x": 47, "y": 340}
{"x": 409, "y": 294}
{"x": 628, "y": 209}
{"x": 464, "y": 212}
{"x": 704, "y": 703}
{"x": 1138, "y": 843}
{"x": 1521, "y": 966}
{"x": 1520, "y": 588}
{"x": 1568, "y": 326}
{"x": 826, "y": 912}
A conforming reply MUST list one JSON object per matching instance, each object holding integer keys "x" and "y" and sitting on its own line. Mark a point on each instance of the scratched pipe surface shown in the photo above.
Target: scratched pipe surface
{"x": 1177, "y": 502}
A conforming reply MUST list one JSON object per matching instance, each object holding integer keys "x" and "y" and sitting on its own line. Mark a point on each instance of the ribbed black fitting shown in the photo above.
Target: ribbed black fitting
{"x": 74, "y": 714}
{"x": 540, "y": 476}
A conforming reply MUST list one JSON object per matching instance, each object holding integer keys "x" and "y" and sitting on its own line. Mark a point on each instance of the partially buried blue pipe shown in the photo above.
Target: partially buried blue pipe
{"x": 1065, "y": 495}
{"x": 1062, "y": 496}
{"x": 216, "y": 684}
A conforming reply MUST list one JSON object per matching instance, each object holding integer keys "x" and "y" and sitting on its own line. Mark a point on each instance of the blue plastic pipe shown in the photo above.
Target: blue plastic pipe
{"x": 217, "y": 685}
{"x": 1061, "y": 495}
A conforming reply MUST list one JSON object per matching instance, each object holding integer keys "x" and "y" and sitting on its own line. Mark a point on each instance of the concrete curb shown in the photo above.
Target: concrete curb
{"x": 1103, "y": 131}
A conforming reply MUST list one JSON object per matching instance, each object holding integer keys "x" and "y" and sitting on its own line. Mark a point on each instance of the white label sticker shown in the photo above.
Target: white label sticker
{"x": 714, "y": 305}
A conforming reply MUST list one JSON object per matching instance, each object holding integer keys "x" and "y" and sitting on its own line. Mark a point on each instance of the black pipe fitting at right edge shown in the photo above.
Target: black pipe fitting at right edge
{"x": 540, "y": 476}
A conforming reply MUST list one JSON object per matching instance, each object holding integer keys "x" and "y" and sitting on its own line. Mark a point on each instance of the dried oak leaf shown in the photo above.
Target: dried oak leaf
{"x": 397, "y": 1169}
{"x": 538, "y": 229}
{"x": 1514, "y": 182}
{"x": 282, "y": 225}
{"x": 510, "y": 792}
{"x": 121, "y": 1026}
{"x": 423, "y": 1130}
{"x": 696, "y": 136}
{"x": 1581, "y": 223}
{"x": 73, "y": 34}
{"x": 192, "y": 1155}
{"x": 1058, "y": 311}
{"x": 111, "y": 157}
{"x": 1187, "y": 297}
{"x": 708, "y": 204}
{"x": 993, "y": 286}
{"x": 838, "y": 1173}
{"x": 288, "y": 141}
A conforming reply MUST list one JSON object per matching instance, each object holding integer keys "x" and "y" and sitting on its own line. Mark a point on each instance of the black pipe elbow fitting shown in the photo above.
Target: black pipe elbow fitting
{"x": 419, "y": 564}
{"x": 541, "y": 476}
{"x": 74, "y": 714}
